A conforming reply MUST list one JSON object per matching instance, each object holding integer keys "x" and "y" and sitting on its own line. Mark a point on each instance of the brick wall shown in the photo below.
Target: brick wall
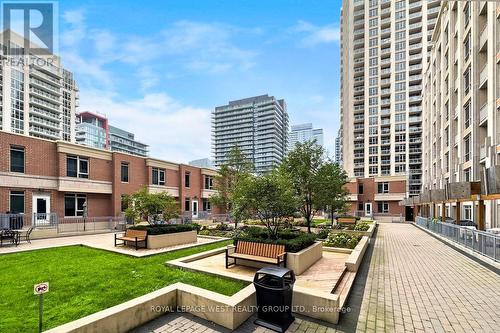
{"x": 42, "y": 159}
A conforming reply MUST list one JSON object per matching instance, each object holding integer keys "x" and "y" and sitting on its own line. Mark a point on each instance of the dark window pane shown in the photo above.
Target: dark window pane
{"x": 69, "y": 206}
{"x": 71, "y": 167}
{"x": 155, "y": 176}
{"x": 124, "y": 172}
{"x": 162, "y": 177}
{"x": 16, "y": 202}
{"x": 79, "y": 206}
{"x": 186, "y": 179}
{"x": 17, "y": 160}
{"x": 186, "y": 205}
{"x": 84, "y": 168}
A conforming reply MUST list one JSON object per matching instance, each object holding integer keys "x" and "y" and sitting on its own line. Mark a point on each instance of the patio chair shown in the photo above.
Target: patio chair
{"x": 8, "y": 235}
{"x": 28, "y": 234}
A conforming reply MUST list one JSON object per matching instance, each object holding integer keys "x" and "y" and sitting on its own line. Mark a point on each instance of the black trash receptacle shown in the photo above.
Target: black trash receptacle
{"x": 274, "y": 290}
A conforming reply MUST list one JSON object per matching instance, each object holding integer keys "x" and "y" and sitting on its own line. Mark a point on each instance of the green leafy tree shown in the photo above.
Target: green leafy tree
{"x": 236, "y": 168}
{"x": 331, "y": 194}
{"x": 302, "y": 165}
{"x": 269, "y": 197}
{"x": 151, "y": 207}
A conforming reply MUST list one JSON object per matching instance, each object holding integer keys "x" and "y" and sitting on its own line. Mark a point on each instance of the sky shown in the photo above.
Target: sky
{"x": 158, "y": 68}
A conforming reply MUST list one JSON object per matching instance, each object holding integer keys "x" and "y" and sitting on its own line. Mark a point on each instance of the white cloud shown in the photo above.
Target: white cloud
{"x": 175, "y": 132}
{"x": 312, "y": 35}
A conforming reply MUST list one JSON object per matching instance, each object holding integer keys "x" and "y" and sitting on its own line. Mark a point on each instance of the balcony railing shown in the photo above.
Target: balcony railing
{"x": 484, "y": 243}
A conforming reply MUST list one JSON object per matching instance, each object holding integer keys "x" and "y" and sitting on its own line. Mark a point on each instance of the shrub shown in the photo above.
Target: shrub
{"x": 160, "y": 229}
{"x": 362, "y": 226}
{"x": 342, "y": 240}
{"x": 293, "y": 241}
{"x": 323, "y": 234}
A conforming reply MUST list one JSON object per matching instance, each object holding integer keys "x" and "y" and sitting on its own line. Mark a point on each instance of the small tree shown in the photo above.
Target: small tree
{"x": 236, "y": 168}
{"x": 302, "y": 165}
{"x": 270, "y": 197}
{"x": 331, "y": 195}
{"x": 151, "y": 207}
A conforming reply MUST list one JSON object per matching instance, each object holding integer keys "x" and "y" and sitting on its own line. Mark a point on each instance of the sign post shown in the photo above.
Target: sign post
{"x": 40, "y": 289}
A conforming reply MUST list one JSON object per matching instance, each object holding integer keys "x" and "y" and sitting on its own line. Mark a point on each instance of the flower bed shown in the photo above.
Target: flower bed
{"x": 293, "y": 241}
{"x": 342, "y": 240}
{"x": 160, "y": 229}
{"x": 160, "y": 236}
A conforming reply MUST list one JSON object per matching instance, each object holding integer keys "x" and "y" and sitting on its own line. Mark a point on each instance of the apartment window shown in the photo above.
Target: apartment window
{"x": 373, "y": 130}
{"x": 77, "y": 166}
{"x": 400, "y": 56}
{"x": 383, "y": 207}
{"x": 467, "y": 148}
{"x": 383, "y": 187}
{"x": 400, "y": 15}
{"x": 400, "y": 137}
{"x": 187, "y": 204}
{"x": 209, "y": 183}
{"x": 124, "y": 172}
{"x": 373, "y": 160}
{"x": 467, "y": 212}
{"x": 400, "y": 158}
{"x": 467, "y": 114}
{"x": 400, "y": 117}
{"x": 207, "y": 207}
{"x": 467, "y": 47}
{"x": 373, "y": 170}
{"x": 373, "y": 140}
{"x": 16, "y": 159}
{"x": 373, "y": 42}
{"x": 158, "y": 176}
{"x": 400, "y": 148}
{"x": 361, "y": 188}
{"x": 74, "y": 204}
{"x": 400, "y": 25}
{"x": 187, "y": 178}
{"x": 16, "y": 202}
{"x": 467, "y": 13}
{"x": 467, "y": 176}
{"x": 373, "y": 150}
{"x": 360, "y": 206}
{"x": 373, "y": 12}
{"x": 400, "y": 168}
{"x": 467, "y": 80}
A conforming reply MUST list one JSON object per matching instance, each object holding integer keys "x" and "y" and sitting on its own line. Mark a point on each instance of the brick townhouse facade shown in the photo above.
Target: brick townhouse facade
{"x": 376, "y": 196}
{"x": 42, "y": 176}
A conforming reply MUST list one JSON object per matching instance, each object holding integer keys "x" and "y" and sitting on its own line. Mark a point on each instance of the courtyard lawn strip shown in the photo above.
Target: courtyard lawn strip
{"x": 84, "y": 280}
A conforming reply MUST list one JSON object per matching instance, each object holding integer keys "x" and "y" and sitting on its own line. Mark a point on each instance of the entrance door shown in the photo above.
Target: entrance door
{"x": 41, "y": 209}
{"x": 409, "y": 213}
{"x": 194, "y": 209}
{"x": 368, "y": 209}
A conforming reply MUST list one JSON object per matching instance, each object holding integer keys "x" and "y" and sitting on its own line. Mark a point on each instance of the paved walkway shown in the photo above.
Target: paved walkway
{"x": 413, "y": 283}
{"x": 416, "y": 283}
{"x": 104, "y": 241}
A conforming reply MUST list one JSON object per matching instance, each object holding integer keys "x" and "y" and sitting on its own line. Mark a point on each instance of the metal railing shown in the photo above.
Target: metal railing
{"x": 90, "y": 224}
{"x": 20, "y": 221}
{"x": 484, "y": 243}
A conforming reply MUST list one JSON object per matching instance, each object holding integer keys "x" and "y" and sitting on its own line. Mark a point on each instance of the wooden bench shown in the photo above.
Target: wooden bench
{"x": 136, "y": 236}
{"x": 346, "y": 220}
{"x": 260, "y": 252}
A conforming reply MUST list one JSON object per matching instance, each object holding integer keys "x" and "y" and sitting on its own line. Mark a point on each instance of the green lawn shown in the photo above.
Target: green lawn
{"x": 85, "y": 280}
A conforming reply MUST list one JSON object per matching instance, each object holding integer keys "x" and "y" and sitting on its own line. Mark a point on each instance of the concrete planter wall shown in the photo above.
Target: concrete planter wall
{"x": 300, "y": 261}
{"x": 167, "y": 240}
{"x": 354, "y": 260}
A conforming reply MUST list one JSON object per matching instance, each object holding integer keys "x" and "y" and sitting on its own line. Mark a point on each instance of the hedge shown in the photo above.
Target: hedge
{"x": 293, "y": 241}
{"x": 160, "y": 229}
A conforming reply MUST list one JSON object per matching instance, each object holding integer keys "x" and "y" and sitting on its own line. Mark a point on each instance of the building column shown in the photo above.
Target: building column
{"x": 457, "y": 215}
{"x": 481, "y": 210}
{"x": 443, "y": 212}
